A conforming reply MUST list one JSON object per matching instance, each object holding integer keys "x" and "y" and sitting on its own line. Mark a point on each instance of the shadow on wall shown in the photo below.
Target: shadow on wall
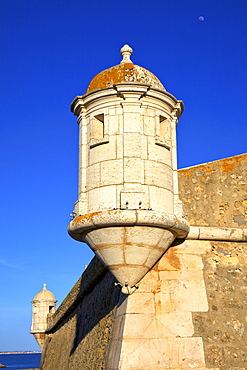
{"x": 95, "y": 314}
{"x": 81, "y": 329}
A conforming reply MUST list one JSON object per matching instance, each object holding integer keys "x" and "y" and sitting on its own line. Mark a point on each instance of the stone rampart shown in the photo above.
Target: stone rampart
{"x": 223, "y": 327}
{"x": 189, "y": 309}
{"x": 78, "y": 333}
{"x": 215, "y": 193}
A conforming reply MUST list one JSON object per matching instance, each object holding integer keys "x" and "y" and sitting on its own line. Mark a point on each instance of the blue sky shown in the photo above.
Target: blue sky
{"x": 50, "y": 50}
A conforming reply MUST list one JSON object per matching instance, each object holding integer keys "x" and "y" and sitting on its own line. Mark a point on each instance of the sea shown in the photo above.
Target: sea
{"x": 19, "y": 361}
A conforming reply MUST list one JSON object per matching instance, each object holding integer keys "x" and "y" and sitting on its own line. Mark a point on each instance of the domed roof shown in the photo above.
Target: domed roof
{"x": 126, "y": 71}
{"x": 44, "y": 295}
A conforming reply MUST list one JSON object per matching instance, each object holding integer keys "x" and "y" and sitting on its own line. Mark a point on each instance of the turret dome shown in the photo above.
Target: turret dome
{"x": 44, "y": 294}
{"x": 126, "y": 71}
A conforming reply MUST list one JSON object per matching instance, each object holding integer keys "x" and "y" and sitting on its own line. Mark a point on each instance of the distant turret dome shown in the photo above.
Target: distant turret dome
{"x": 126, "y": 71}
{"x": 44, "y": 294}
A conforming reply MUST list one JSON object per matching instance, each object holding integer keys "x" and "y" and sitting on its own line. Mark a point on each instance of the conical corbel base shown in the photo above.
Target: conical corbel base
{"x": 128, "y": 242}
{"x": 129, "y": 252}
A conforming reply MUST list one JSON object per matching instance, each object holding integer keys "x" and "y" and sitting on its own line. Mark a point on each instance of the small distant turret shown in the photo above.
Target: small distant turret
{"x": 44, "y": 303}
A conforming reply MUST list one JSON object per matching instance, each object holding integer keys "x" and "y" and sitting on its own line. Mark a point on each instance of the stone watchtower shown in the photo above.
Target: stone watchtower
{"x": 44, "y": 303}
{"x": 129, "y": 213}
{"x": 128, "y": 210}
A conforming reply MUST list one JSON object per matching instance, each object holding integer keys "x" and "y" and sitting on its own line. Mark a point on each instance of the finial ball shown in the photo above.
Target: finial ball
{"x": 126, "y": 52}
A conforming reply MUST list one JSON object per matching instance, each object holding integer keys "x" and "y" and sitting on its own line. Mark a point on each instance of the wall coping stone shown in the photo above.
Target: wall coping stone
{"x": 217, "y": 233}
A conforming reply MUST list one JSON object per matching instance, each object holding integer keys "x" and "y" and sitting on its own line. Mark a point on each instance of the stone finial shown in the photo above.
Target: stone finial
{"x": 126, "y": 52}
{"x": 44, "y": 287}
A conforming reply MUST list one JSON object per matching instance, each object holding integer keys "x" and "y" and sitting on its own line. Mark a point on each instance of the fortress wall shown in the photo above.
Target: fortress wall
{"x": 189, "y": 310}
{"x": 78, "y": 333}
{"x": 215, "y": 193}
{"x": 224, "y": 326}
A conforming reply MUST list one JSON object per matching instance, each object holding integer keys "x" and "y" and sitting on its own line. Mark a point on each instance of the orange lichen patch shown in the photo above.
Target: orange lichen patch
{"x": 206, "y": 168}
{"x": 126, "y": 72}
{"x": 86, "y": 217}
{"x": 227, "y": 165}
{"x": 186, "y": 172}
{"x": 108, "y": 78}
{"x": 128, "y": 66}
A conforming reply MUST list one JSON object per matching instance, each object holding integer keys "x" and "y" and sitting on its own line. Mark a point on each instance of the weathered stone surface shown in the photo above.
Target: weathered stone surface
{"x": 121, "y": 73}
{"x": 90, "y": 277}
{"x": 79, "y": 333}
{"x": 215, "y": 193}
{"x": 154, "y": 325}
{"x": 224, "y": 327}
{"x": 124, "y": 243}
{"x": 189, "y": 312}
